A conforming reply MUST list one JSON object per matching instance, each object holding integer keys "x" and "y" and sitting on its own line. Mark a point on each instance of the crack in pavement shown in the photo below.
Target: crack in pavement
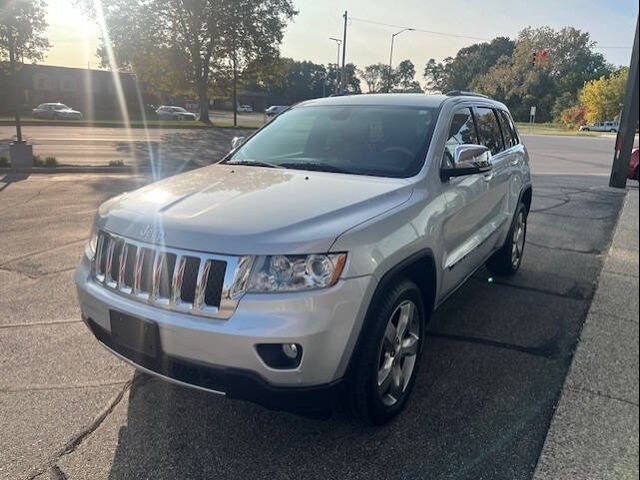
{"x": 601, "y": 394}
{"x": 39, "y": 388}
{"x": 33, "y": 276}
{"x": 548, "y": 353}
{"x": 46, "y": 250}
{"x": 77, "y": 439}
{"x": 39, "y": 324}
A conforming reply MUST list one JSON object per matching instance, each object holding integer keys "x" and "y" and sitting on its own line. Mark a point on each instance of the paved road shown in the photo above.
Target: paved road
{"x": 496, "y": 357}
{"x": 171, "y": 147}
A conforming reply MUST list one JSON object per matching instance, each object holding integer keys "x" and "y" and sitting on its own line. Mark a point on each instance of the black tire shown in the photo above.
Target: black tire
{"x": 636, "y": 175}
{"x": 364, "y": 401}
{"x": 586, "y": 130}
{"x": 502, "y": 262}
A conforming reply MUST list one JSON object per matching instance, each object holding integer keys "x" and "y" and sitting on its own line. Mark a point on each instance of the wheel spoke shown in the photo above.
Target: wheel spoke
{"x": 397, "y": 383}
{"x": 406, "y": 314}
{"x": 385, "y": 377}
{"x": 409, "y": 346}
{"x": 390, "y": 335}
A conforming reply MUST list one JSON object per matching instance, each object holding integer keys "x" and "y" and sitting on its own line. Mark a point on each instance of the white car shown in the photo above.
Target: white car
{"x": 274, "y": 110}
{"x": 56, "y": 111}
{"x": 601, "y": 127}
{"x": 302, "y": 269}
{"x": 174, "y": 113}
{"x": 244, "y": 109}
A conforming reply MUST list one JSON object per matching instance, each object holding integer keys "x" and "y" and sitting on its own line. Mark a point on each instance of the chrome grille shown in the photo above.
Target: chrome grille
{"x": 180, "y": 280}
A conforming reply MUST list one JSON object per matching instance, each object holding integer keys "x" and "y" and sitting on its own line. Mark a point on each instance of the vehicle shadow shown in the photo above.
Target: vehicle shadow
{"x": 494, "y": 363}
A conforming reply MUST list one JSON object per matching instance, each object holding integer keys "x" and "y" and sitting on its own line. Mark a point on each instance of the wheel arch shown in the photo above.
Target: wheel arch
{"x": 420, "y": 267}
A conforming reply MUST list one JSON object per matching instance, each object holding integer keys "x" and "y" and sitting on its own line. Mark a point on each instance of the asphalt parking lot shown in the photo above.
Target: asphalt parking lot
{"x": 495, "y": 361}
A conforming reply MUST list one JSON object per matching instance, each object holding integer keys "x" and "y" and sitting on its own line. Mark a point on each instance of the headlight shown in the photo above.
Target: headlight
{"x": 289, "y": 273}
{"x": 93, "y": 240}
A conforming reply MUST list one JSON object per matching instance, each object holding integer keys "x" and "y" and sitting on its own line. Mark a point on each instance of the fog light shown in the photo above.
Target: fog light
{"x": 290, "y": 350}
{"x": 280, "y": 356}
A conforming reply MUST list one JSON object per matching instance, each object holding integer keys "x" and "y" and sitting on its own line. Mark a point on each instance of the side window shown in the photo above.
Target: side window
{"x": 489, "y": 130}
{"x": 462, "y": 131}
{"x": 508, "y": 131}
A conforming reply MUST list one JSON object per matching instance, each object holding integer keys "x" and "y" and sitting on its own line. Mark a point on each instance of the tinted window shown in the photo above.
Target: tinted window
{"x": 362, "y": 140}
{"x": 508, "y": 132}
{"x": 489, "y": 130}
{"x": 462, "y": 131}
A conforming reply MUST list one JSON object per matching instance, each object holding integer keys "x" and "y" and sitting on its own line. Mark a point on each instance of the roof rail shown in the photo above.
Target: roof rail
{"x": 462, "y": 93}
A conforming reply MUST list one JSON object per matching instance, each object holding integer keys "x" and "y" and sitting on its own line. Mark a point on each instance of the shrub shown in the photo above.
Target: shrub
{"x": 574, "y": 116}
{"x": 51, "y": 162}
{"x": 116, "y": 163}
{"x": 4, "y": 162}
{"x": 37, "y": 161}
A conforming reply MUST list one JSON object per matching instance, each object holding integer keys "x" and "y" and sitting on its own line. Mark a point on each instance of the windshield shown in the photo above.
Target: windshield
{"x": 361, "y": 140}
{"x": 60, "y": 107}
{"x": 178, "y": 109}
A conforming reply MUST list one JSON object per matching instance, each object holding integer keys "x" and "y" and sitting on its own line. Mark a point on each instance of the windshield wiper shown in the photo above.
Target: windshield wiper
{"x": 254, "y": 163}
{"x": 314, "y": 166}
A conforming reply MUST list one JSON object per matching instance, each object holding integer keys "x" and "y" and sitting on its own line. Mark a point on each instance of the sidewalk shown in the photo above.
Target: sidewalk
{"x": 594, "y": 431}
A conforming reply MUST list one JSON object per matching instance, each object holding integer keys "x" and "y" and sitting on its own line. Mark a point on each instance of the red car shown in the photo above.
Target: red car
{"x": 633, "y": 165}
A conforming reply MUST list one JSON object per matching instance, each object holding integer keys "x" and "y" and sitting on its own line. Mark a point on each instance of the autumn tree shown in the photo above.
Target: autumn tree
{"x": 602, "y": 99}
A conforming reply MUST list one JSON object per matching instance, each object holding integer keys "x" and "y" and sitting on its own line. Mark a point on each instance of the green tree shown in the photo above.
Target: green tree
{"x": 458, "y": 73}
{"x": 379, "y": 78}
{"x": 22, "y": 37}
{"x": 602, "y": 98}
{"x": 202, "y": 35}
{"x": 405, "y": 77}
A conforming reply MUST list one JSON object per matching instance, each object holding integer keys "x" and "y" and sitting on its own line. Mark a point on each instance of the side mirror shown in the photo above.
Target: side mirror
{"x": 469, "y": 159}
{"x": 236, "y": 142}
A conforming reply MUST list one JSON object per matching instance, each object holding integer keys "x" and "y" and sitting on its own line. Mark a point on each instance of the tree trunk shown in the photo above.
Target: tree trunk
{"x": 203, "y": 100}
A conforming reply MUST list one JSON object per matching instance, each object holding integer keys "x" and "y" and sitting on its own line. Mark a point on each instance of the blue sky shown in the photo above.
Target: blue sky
{"x": 610, "y": 23}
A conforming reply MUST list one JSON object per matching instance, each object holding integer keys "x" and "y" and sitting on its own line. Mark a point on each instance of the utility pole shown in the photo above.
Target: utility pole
{"x": 343, "y": 73}
{"x": 235, "y": 86}
{"x": 628, "y": 122}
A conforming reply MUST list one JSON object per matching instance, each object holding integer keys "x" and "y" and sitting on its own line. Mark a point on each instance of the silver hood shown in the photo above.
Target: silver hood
{"x": 251, "y": 210}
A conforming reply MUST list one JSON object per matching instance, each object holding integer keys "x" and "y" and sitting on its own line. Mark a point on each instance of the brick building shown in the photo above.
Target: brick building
{"x": 93, "y": 92}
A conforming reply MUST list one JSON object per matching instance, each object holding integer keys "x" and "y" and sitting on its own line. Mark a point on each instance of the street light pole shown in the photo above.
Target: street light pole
{"x": 338, "y": 71}
{"x": 393, "y": 36}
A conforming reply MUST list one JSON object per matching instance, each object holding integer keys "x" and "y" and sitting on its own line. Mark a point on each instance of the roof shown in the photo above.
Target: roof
{"x": 380, "y": 99}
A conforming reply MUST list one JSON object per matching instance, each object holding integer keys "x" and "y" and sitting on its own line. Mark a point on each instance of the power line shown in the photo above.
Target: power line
{"x": 419, "y": 29}
{"x": 455, "y": 35}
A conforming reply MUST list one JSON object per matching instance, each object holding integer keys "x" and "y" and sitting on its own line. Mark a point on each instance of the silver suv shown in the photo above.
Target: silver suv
{"x": 300, "y": 271}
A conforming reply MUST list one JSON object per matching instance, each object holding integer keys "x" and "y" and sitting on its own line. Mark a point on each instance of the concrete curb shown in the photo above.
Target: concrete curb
{"x": 67, "y": 123}
{"x": 72, "y": 169}
{"x": 594, "y": 430}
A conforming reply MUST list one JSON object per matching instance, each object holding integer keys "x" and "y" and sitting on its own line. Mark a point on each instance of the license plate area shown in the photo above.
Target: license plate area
{"x": 133, "y": 333}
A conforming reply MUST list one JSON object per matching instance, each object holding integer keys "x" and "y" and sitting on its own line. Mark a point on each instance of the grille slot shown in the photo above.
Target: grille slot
{"x": 168, "y": 278}
{"x": 215, "y": 280}
{"x": 190, "y": 279}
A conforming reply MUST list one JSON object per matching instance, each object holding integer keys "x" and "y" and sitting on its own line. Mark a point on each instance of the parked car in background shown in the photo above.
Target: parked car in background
{"x": 245, "y": 109}
{"x": 274, "y": 110}
{"x": 633, "y": 172}
{"x": 600, "y": 127}
{"x": 166, "y": 112}
{"x": 56, "y": 111}
{"x": 301, "y": 270}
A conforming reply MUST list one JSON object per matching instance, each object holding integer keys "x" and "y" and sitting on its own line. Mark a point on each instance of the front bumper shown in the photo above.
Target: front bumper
{"x": 221, "y": 356}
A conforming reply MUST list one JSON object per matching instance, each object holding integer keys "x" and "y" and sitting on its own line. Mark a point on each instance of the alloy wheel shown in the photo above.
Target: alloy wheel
{"x": 517, "y": 245}
{"x": 398, "y": 352}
